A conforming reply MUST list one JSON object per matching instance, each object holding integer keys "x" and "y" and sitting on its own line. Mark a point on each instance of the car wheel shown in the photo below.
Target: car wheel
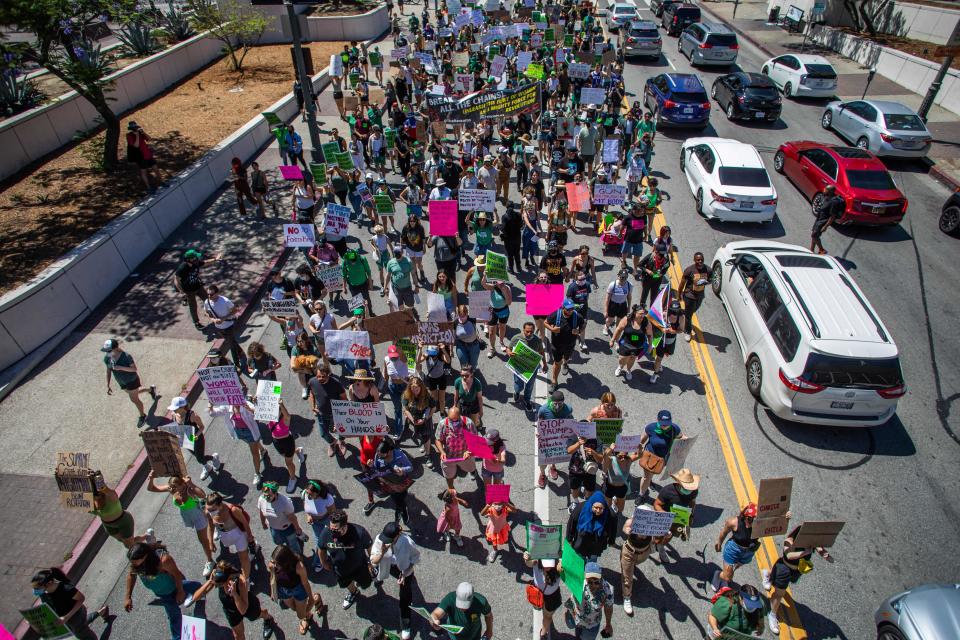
{"x": 816, "y": 203}
{"x": 788, "y": 89}
{"x": 699, "y": 201}
{"x": 778, "y": 159}
{"x": 754, "y": 376}
{"x": 716, "y": 278}
{"x": 950, "y": 220}
{"x": 713, "y": 91}
{"x": 827, "y": 120}
{"x": 887, "y": 632}
{"x": 730, "y": 111}
{"x": 863, "y": 143}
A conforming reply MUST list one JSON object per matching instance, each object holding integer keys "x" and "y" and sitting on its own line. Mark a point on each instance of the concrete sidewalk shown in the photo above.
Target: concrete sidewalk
{"x": 751, "y": 25}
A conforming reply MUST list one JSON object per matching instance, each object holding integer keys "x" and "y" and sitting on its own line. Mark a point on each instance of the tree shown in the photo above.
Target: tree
{"x": 65, "y": 46}
{"x": 234, "y": 23}
{"x": 865, "y": 14}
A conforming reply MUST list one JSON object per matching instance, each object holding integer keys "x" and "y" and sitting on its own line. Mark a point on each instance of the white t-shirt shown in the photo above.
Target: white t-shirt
{"x": 321, "y": 324}
{"x": 619, "y": 293}
{"x": 219, "y": 307}
{"x": 396, "y": 368}
{"x": 276, "y": 512}
{"x": 317, "y": 506}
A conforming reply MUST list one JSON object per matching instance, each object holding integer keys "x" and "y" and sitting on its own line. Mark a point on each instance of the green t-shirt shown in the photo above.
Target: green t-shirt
{"x": 125, "y": 360}
{"x": 468, "y": 397}
{"x": 399, "y": 270}
{"x": 484, "y": 235}
{"x": 646, "y": 127}
{"x": 733, "y": 615}
{"x": 470, "y": 619}
{"x": 355, "y": 272}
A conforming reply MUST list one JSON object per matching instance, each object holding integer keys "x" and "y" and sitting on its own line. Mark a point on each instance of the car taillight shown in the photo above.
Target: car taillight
{"x": 631, "y": 40}
{"x": 769, "y": 202}
{"x": 803, "y": 79}
{"x": 704, "y": 105}
{"x": 669, "y": 104}
{"x": 886, "y": 137}
{"x": 893, "y": 392}
{"x": 719, "y": 198}
{"x": 706, "y": 46}
{"x": 799, "y": 384}
{"x": 734, "y": 47}
{"x": 675, "y": 19}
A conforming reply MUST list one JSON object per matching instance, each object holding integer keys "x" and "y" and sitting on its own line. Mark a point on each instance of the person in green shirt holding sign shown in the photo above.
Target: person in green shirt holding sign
{"x": 526, "y": 359}
{"x": 464, "y": 608}
{"x": 741, "y": 611}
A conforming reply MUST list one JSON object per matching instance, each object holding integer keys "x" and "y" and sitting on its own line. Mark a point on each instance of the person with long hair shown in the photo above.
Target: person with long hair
{"x": 238, "y": 603}
{"x": 231, "y": 526}
{"x": 289, "y": 584}
{"x": 631, "y": 338}
{"x": 115, "y": 520}
{"x": 240, "y": 422}
{"x": 318, "y": 503}
{"x": 188, "y": 498}
{"x": 156, "y": 570}
{"x": 418, "y": 407}
{"x": 546, "y": 580}
{"x": 793, "y": 563}
{"x": 286, "y": 444}
{"x": 740, "y": 548}
{"x": 58, "y": 592}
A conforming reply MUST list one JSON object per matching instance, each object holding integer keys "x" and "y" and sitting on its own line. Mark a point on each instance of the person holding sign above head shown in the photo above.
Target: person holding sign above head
{"x": 793, "y": 563}
{"x": 56, "y": 591}
{"x": 123, "y": 369}
{"x": 680, "y": 498}
{"x": 498, "y": 529}
{"x": 188, "y": 498}
{"x": 635, "y": 550}
{"x": 741, "y": 611}
{"x": 242, "y": 425}
{"x": 116, "y": 521}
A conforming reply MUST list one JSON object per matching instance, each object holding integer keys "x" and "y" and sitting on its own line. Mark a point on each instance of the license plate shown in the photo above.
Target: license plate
{"x": 841, "y": 405}
{"x": 688, "y": 110}
{"x": 758, "y": 114}
{"x": 879, "y": 209}
{"x": 746, "y": 205}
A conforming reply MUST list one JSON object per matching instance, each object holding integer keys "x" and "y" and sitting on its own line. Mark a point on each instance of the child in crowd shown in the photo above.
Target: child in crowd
{"x": 498, "y": 529}
{"x": 449, "y": 521}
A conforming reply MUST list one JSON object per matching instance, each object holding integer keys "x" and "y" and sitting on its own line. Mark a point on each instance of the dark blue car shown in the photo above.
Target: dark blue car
{"x": 677, "y": 99}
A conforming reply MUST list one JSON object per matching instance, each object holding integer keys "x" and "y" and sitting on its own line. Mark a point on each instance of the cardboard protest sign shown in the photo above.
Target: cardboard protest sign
{"x": 337, "y": 219}
{"x": 377, "y": 96}
{"x": 477, "y": 445}
{"x": 497, "y": 267}
{"x": 389, "y": 327}
{"x": 222, "y": 385}
{"x": 434, "y": 333}
{"x": 628, "y": 443}
{"x": 268, "y": 400}
{"x": 497, "y": 493}
{"x": 592, "y": 95}
{"x": 678, "y": 455}
{"x": 578, "y": 196}
{"x": 609, "y": 194}
{"x": 288, "y": 172}
{"x": 75, "y": 480}
{"x": 585, "y": 57}
{"x": 524, "y": 362}
{"x": 442, "y": 217}
{"x": 817, "y": 534}
{"x": 477, "y": 200}
{"x": 298, "y": 235}
{"x": 461, "y": 59}
{"x": 543, "y": 299}
{"x": 479, "y": 304}
{"x": 585, "y": 430}
{"x": 573, "y": 565}
{"x": 45, "y": 622}
{"x": 192, "y": 628}
{"x": 384, "y": 204}
{"x": 283, "y": 308}
{"x": 608, "y": 428}
{"x": 611, "y": 150}
{"x": 347, "y": 345}
{"x": 552, "y": 438}
{"x": 543, "y": 540}
{"x": 650, "y": 523}
{"x": 565, "y": 127}
{"x": 773, "y": 503}
{"x": 331, "y": 276}
{"x": 164, "y": 453}
{"x": 356, "y": 419}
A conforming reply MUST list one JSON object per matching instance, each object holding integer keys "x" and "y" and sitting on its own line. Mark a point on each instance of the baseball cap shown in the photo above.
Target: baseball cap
{"x": 393, "y": 352}
{"x": 592, "y": 570}
{"x": 492, "y": 435}
{"x": 109, "y": 345}
{"x": 177, "y": 403}
{"x": 750, "y": 511}
{"x": 751, "y": 600}
{"x": 389, "y": 533}
{"x": 464, "y": 595}
{"x": 568, "y": 304}
{"x": 192, "y": 254}
{"x": 664, "y": 416}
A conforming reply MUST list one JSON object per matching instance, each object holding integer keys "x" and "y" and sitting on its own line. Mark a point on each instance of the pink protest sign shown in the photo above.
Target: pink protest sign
{"x": 443, "y": 217}
{"x": 578, "y": 196}
{"x": 543, "y": 299}
{"x": 498, "y": 493}
{"x": 4, "y": 634}
{"x": 292, "y": 172}
{"x": 478, "y": 446}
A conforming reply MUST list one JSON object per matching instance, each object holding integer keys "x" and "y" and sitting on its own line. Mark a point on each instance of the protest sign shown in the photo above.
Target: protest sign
{"x": 524, "y": 58}
{"x": 331, "y": 276}
{"x": 550, "y": 36}
{"x": 463, "y": 81}
{"x": 560, "y": 56}
{"x": 609, "y": 194}
{"x": 497, "y": 267}
{"x": 423, "y": 613}
{"x": 535, "y": 70}
{"x": 611, "y": 150}
{"x": 608, "y": 428}
{"x": 497, "y": 493}
{"x": 578, "y": 196}
{"x": 375, "y": 58}
{"x": 436, "y": 308}
{"x": 434, "y": 333}
{"x": 271, "y": 118}
{"x": 578, "y": 71}
{"x": 477, "y": 446}
{"x": 543, "y": 299}
{"x": 268, "y": 400}
{"x": 298, "y": 235}
{"x": 552, "y": 438}
{"x": 650, "y": 523}
{"x": 461, "y": 59}
{"x": 355, "y": 419}
{"x": 609, "y": 56}
{"x": 628, "y": 443}
{"x": 565, "y": 127}
{"x": 678, "y": 455}
{"x": 390, "y": 135}
{"x": 409, "y": 351}
{"x": 479, "y": 304}
{"x": 572, "y": 565}
{"x": 345, "y": 160}
{"x": 336, "y": 66}
{"x": 384, "y": 204}
{"x": 477, "y": 200}
{"x": 491, "y": 103}
{"x": 290, "y": 172}
{"x": 75, "y": 480}
{"x": 817, "y": 534}
{"x": 347, "y": 345}
{"x": 592, "y": 95}
{"x": 543, "y": 540}
{"x": 222, "y": 385}
{"x": 389, "y": 327}
{"x": 681, "y": 515}
{"x": 568, "y": 41}
{"x": 319, "y": 173}
{"x": 497, "y": 66}
{"x": 45, "y": 622}
{"x": 282, "y": 308}
{"x": 524, "y": 362}
{"x": 330, "y": 151}
{"x": 164, "y": 453}
{"x": 356, "y": 302}
{"x": 192, "y": 628}
{"x": 337, "y": 220}
{"x": 585, "y": 430}
{"x": 442, "y": 217}
{"x": 732, "y": 634}
{"x": 773, "y": 503}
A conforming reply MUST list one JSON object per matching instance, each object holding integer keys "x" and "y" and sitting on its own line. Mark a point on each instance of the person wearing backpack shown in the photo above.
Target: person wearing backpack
{"x": 446, "y": 253}
{"x": 564, "y": 325}
{"x": 741, "y": 611}
{"x": 232, "y": 527}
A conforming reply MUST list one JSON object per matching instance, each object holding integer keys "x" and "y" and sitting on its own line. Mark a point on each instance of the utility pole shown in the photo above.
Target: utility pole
{"x": 306, "y": 84}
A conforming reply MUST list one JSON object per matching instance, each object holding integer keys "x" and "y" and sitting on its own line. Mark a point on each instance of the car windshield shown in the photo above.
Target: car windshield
{"x": 744, "y": 177}
{"x": 833, "y": 371}
{"x": 644, "y": 33}
{"x": 903, "y": 122}
{"x": 688, "y": 96}
{"x": 870, "y": 179}
{"x": 820, "y": 71}
{"x": 722, "y": 39}
{"x": 766, "y": 93}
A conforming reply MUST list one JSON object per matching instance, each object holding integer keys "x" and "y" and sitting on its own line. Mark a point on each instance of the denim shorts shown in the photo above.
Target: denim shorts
{"x": 298, "y": 593}
{"x": 734, "y": 554}
{"x": 632, "y": 249}
{"x": 491, "y": 475}
{"x": 245, "y": 435}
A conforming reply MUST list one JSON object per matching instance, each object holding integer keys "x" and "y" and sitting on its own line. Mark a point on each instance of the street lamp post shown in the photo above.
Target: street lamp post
{"x": 306, "y": 84}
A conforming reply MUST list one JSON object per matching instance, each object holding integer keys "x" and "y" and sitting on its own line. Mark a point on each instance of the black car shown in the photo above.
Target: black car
{"x": 679, "y": 16}
{"x": 747, "y": 96}
{"x": 950, "y": 215}
{"x": 658, "y": 6}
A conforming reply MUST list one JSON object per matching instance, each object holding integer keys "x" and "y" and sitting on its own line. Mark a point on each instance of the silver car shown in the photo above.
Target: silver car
{"x": 884, "y": 128}
{"x": 621, "y": 14}
{"x": 708, "y": 43}
{"x": 930, "y": 612}
{"x": 642, "y": 39}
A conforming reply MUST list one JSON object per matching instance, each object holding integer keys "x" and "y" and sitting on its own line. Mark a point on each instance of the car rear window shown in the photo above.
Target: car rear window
{"x": 645, "y": 33}
{"x": 744, "y": 177}
{"x": 767, "y": 93}
{"x": 867, "y": 179}
{"x": 687, "y": 96}
{"x": 820, "y": 71}
{"x": 903, "y": 122}
{"x": 688, "y": 12}
{"x": 722, "y": 39}
{"x": 834, "y": 371}
{"x": 624, "y": 10}
{"x": 807, "y": 262}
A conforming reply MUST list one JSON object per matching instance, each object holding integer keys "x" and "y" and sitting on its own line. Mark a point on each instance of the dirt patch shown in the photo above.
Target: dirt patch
{"x": 918, "y": 48}
{"x": 343, "y": 9}
{"x": 57, "y": 205}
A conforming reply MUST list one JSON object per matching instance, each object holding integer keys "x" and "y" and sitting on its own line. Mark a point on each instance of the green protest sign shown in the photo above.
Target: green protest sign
{"x": 45, "y": 622}
{"x": 731, "y": 634}
{"x": 543, "y": 540}
{"x": 573, "y": 568}
{"x": 497, "y": 267}
{"x": 409, "y": 351}
{"x": 384, "y": 204}
{"x": 681, "y": 515}
{"x": 494, "y": 50}
{"x": 538, "y": 17}
{"x": 608, "y": 428}
{"x": 375, "y": 58}
{"x": 390, "y": 635}
{"x": 568, "y": 39}
{"x": 319, "y": 173}
{"x": 535, "y": 71}
{"x": 272, "y": 118}
{"x": 524, "y": 362}
{"x": 330, "y": 151}
{"x": 354, "y": 79}
{"x": 280, "y": 133}
{"x": 549, "y": 36}
{"x": 422, "y": 612}
{"x": 345, "y": 160}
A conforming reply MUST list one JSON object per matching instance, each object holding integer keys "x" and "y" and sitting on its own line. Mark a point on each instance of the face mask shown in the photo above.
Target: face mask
{"x": 685, "y": 492}
{"x": 39, "y": 592}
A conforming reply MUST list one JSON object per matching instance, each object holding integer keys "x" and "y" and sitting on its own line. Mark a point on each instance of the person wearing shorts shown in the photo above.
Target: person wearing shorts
{"x": 344, "y": 549}
{"x": 277, "y": 513}
{"x": 123, "y": 369}
{"x": 500, "y": 298}
{"x": 231, "y": 524}
{"x": 452, "y": 445}
{"x": 793, "y": 563}
{"x": 233, "y": 590}
{"x": 188, "y": 498}
{"x": 403, "y": 286}
{"x": 617, "y": 303}
{"x": 636, "y": 224}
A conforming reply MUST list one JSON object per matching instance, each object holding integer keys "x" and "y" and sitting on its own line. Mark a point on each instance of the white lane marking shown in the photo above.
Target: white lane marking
{"x": 541, "y": 497}
{"x": 670, "y": 62}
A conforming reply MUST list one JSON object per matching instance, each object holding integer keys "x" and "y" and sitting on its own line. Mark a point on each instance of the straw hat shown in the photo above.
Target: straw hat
{"x": 686, "y": 479}
{"x": 361, "y": 374}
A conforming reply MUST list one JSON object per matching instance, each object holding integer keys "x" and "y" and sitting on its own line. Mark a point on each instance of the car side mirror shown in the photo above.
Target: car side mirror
{"x": 731, "y": 262}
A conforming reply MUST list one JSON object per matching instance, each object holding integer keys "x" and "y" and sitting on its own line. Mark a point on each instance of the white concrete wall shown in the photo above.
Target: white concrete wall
{"x": 905, "y": 19}
{"x": 361, "y": 27}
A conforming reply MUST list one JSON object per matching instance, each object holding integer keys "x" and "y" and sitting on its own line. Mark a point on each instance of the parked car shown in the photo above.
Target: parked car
{"x": 643, "y": 39}
{"x": 929, "y": 612}
{"x": 709, "y": 43}
{"x": 885, "y": 128}
{"x": 747, "y": 96}
{"x": 803, "y": 75}
{"x": 678, "y": 99}
{"x": 677, "y": 17}
{"x": 814, "y": 348}
{"x": 658, "y": 6}
{"x": 621, "y": 14}
{"x": 862, "y": 180}
{"x": 728, "y": 180}
{"x": 950, "y": 214}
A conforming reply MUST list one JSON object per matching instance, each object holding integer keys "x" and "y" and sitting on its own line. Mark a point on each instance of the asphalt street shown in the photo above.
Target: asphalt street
{"x": 893, "y": 485}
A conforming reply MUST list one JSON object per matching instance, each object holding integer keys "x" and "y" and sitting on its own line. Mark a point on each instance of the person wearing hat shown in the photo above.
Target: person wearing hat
{"x": 635, "y": 550}
{"x": 492, "y": 469}
{"x": 140, "y": 153}
{"x": 397, "y": 374}
{"x": 122, "y": 369}
{"x": 564, "y": 326}
{"x": 395, "y": 553}
{"x": 189, "y": 425}
{"x": 464, "y": 608}
{"x": 504, "y": 165}
{"x": 188, "y": 282}
{"x": 656, "y": 442}
{"x": 546, "y": 584}
{"x": 595, "y": 607}
{"x": 739, "y": 610}
{"x": 679, "y": 496}
{"x": 440, "y": 190}
{"x": 740, "y": 548}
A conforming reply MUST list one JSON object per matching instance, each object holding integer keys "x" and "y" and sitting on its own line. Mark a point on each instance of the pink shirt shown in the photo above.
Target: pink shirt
{"x": 279, "y": 429}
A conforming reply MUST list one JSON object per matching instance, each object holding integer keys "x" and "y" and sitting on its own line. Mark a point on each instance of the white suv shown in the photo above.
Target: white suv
{"x": 802, "y": 75}
{"x": 814, "y": 348}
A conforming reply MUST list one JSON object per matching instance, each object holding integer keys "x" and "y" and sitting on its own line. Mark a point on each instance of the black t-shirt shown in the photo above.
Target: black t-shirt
{"x": 580, "y": 294}
{"x": 189, "y": 276}
{"x": 670, "y": 496}
{"x": 282, "y": 289}
{"x": 694, "y": 276}
{"x": 324, "y": 392}
{"x": 348, "y": 552}
{"x": 309, "y": 287}
{"x": 636, "y": 228}
{"x": 567, "y": 324}
{"x": 554, "y": 266}
{"x": 413, "y": 237}
{"x": 60, "y": 599}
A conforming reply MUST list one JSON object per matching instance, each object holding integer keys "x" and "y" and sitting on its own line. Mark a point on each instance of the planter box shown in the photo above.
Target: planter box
{"x": 362, "y": 27}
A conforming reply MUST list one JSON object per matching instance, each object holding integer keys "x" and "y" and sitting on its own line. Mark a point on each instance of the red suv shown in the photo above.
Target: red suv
{"x": 862, "y": 180}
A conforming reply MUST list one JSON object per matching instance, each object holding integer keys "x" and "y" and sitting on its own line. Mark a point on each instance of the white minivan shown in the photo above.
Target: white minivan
{"x": 814, "y": 348}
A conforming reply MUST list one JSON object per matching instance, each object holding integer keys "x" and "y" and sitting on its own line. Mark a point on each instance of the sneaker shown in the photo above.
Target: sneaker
{"x": 492, "y": 556}
{"x": 516, "y": 397}
{"x": 654, "y": 377}
{"x": 268, "y": 628}
{"x": 628, "y": 608}
{"x": 458, "y": 539}
{"x": 773, "y": 623}
{"x": 207, "y": 470}
{"x": 142, "y": 420}
{"x": 715, "y": 581}
{"x": 686, "y": 337}
{"x": 188, "y": 601}
{"x": 405, "y": 633}
{"x": 583, "y": 346}
{"x": 368, "y": 508}
{"x": 662, "y": 554}
{"x": 606, "y": 330}
{"x": 528, "y": 405}
{"x": 349, "y": 599}
{"x": 303, "y": 394}
{"x": 618, "y": 371}
{"x": 257, "y": 479}
{"x": 208, "y": 569}
{"x": 627, "y": 375}
{"x": 301, "y": 455}
{"x": 291, "y": 485}
{"x": 571, "y": 506}
{"x": 490, "y": 353}
{"x": 215, "y": 461}
{"x": 765, "y": 580}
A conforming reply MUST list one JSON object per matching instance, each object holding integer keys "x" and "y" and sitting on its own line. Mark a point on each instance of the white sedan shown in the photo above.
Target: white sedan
{"x": 728, "y": 180}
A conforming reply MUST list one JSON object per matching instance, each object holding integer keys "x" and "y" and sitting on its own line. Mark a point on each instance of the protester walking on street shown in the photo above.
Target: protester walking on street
{"x": 465, "y": 608}
{"x": 191, "y": 429}
{"x": 242, "y": 426}
{"x": 232, "y": 527}
{"x": 591, "y": 527}
{"x": 657, "y": 441}
{"x": 344, "y": 549}
{"x": 635, "y": 551}
{"x": 631, "y": 338}
{"x": 741, "y": 611}
{"x": 793, "y": 563}
{"x": 680, "y": 498}
{"x": 278, "y": 514}
{"x": 452, "y": 445}
{"x": 544, "y": 592}
{"x": 156, "y": 570}
{"x": 740, "y": 548}
{"x": 223, "y": 314}
{"x": 394, "y": 553}
{"x": 58, "y": 592}
{"x": 188, "y": 498}
{"x": 116, "y": 521}
{"x": 832, "y": 207}
{"x": 238, "y": 603}
{"x": 691, "y": 291}
{"x": 286, "y": 444}
{"x": 290, "y": 586}
{"x": 122, "y": 369}
{"x": 595, "y": 607}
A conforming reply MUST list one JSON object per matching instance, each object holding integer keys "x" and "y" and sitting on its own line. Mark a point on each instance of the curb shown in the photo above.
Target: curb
{"x": 943, "y": 178}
